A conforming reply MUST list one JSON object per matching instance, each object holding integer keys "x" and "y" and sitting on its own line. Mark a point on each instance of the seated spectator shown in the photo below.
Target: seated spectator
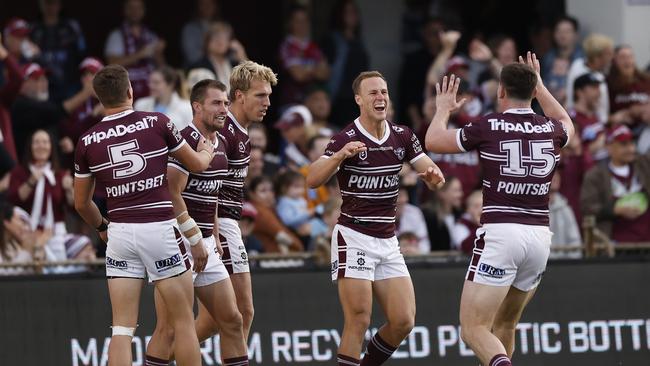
{"x": 409, "y": 243}
{"x": 556, "y": 62}
{"x": 440, "y": 214}
{"x": 257, "y": 135}
{"x": 301, "y": 60}
{"x": 464, "y": 232}
{"x": 274, "y": 235}
{"x": 589, "y": 126}
{"x": 17, "y": 243}
{"x": 629, "y": 91}
{"x": 500, "y": 50}
{"x": 164, "y": 86}
{"x": 247, "y": 225}
{"x": 574, "y": 163}
{"x": 409, "y": 219}
{"x": 322, "y": 244}
{"x": 19, "y": 46}
{"x": 222, "y": 52}
{"x": 616, "y": 193}
{"x": 62, "y": 46}
{"x": 136, "y": 47}
{"x": 315, "y": 196}
{"x": 292, "y": 207}
{"x": 194, "y": 31}
{"x": 40, "y": 188}
{"x": 319, "y": 105}
{"x": 562, "y": 222}
{"x": 292, "y": 125}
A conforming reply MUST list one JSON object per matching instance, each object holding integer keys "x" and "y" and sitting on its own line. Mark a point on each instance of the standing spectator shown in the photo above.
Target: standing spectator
{"x": 556, "y": 62}
{"x": 562, "y": 222}
{"x": 40, "y": 187}
{"x": 409, "y": 219}
{"x": 320, "y": 106}
{"x": 222, "y": 52}
{"x": 62, "y": 47}
{"x": 292, "y": 125}
{"x": 194, "y": 31}
{"x": 464, "y": 231}
{"x": 599, "y": 50}
{"x": 629, "y": 90}
{"x": 441, "y": 212}
{"x": 500, "y": 50}
{"x": 164, "y": 86}
{"x": 590, "y": 129}
{"x": 302, "y": 61}
{"x": 347, "y": 57}
{"x": 18, "y": 44}
{"x": 11, "y": 79}
{"x": 617, "y": 193}
{"x": 136, "y": 47}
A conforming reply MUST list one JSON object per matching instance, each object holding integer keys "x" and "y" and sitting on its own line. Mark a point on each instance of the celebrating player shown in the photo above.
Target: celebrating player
{"x": 194, "y": 196}
{"x": 519, "y": 151}
{"x": 127, "y": 152}
{"x": 366, "y": 259}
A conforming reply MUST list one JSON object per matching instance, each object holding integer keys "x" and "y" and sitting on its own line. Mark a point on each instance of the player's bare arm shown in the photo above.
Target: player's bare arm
{"x": 195, "y": 161}
{"x": 322, "y": 169}
{"x": 552, "y": 108}
{"x": 215, "y": 232}
{"x": 177, "y": 181}
{"x": 429, "y": 172}
{"x": 83, "y": 203}
{"x": 438, "y": 138}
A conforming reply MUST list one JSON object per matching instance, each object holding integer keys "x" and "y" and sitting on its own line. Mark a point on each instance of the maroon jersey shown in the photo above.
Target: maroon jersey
{"x": 200, "y": 193}
{"x": 127, "y": 153}
{"x": 626, "y": 230}
{"x": 238, "y": 150}
{"x": 519, "y": 151}
{"x": 625, "y": 96}
{"x": 369, "y": 181}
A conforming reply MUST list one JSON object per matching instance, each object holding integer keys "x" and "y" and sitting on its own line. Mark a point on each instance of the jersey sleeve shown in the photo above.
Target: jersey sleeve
{"x": 336, "y": 143}
{"x": 81, "y": 168}
{"x": 191, "y": 137}
{"x": 173, "y": 136}
{"x": 469, "y": 137}
{"x": 413, "y": 147}
{"x": 561, "y": 134}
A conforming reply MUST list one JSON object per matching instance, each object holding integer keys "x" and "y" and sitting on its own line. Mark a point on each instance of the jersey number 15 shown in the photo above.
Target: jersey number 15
{"x": 540, "y": 163}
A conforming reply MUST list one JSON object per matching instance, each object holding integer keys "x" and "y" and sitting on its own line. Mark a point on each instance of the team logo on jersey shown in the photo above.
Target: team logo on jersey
{"x": 242, "y": 147}
{"x": 399, "y": 152}
{"x": 350, "y": 133}
{"x": 363, "y": 155}
{"x": 398, "y": 129}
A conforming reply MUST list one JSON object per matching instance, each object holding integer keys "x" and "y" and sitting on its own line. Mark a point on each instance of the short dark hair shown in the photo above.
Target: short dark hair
{"x": 363, "y": 76}
{"x": 567, "y": 18}
{"x": 286, "y": 179}
{"x": 199, "y": 89}
{"x": 519, "y": 81}
{"x": 111, "y": 85}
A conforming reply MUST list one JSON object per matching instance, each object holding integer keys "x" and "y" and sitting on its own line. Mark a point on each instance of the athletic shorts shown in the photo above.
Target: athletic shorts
{"x": 510, "y": 255}
{"x": 214, "y": 270}
{"x": 152, "y": 249}
{"x": 234, "y": 256}
{"x": 357, "y": 255}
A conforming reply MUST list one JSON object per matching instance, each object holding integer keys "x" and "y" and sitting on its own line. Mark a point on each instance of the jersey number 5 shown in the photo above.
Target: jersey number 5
{"x": 125, "y": 153}
{"x": 540, "y": 163}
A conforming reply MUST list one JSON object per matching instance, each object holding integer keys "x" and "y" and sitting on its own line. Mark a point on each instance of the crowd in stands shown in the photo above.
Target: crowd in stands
{"x": 47, "y": 102}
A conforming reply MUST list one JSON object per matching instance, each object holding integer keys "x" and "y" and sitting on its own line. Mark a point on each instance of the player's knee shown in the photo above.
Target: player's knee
{"x": 505, "y": 325}
{"x": 247, "y": 313}
{"x": 402, "y": 325}
{"x": 164, "y": 332}
{"x": 359, "y": 319}
{"x": 467, "y": 333}
{"x": 233, "y": 322}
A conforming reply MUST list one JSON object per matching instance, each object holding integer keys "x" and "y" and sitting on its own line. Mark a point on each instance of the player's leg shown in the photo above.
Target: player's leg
{"x": 241, "y": 282}
{"x": 205, "y": 325}
{"x": 355, "y": 296}
{"x": 125, "y": 300}
{"x": 508, "y": 315}
{"x": 162, "y": 339}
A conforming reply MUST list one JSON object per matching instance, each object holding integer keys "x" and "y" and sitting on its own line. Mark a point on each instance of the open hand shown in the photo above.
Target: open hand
{"x": 200, "y": 256}
{"x": 446, "y": 94}
{"x": 432, "y": 177}
{"x": 351, "y": 149}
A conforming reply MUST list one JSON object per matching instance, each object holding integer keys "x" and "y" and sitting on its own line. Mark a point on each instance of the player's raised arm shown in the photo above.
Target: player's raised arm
{"x": 195, "y": 161}
{"x": 322, "y": 169}
{"x": 438, "y": 138}
{"x": 552, "y": 108}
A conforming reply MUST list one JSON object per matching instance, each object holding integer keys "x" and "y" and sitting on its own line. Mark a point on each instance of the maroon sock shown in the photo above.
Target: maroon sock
{"x": 344, "y": 360}
{"x": 153, "y": 361}
{"x": 377, "y": 352}
{"x": 236, "y": 361}
{"x": 500, "y": 360}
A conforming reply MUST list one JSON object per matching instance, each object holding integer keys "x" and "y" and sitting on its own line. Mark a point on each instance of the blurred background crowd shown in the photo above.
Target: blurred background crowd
{"x": 49, "y": 53}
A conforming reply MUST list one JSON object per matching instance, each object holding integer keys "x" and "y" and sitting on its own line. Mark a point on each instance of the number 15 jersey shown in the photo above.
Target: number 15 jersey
{"x": 519, "y": 151}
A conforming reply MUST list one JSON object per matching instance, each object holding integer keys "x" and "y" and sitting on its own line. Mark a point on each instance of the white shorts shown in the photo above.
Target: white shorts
{"x": 234, "y": 256}
{"x": 357, "y": 255}
{"x": 510, "y": 255}
{"x": 136, "y": 250}
{"x": 214, "y": 270}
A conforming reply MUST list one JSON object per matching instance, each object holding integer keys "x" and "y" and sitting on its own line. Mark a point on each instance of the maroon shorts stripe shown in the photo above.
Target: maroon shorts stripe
{"x": 340, "y": 242}
{"x": 225, "y": 258}
{"x": 181, "y": 246}
{"x": 479, "y": 243}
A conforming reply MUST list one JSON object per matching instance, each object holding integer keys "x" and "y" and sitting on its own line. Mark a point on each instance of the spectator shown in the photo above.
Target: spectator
{"x": 196, "y": 75}
{"x": 33, "y": 110}
{"x": 247, "y": 225}
{"x": 222, "y": 52}
{"x": 17, "y": 243}
{"x": 575, "y": 161}
{"x": 164, "y": 87}
{"x": 617, "y": 193}
{"x": 629, "y": 91}
{"x": 320, "y": 106}
{"x": 441, "y": 212}
{"x": 301, "y": 60}
{"x": 409, "y": 243}
{"x": 274, "y": 235}
{"x": 292, "y": 207}
{"x": 194, "y": 31}
{"x": 409, "y": 219}
{"x": 292, "y": 125}
{"x": 599, "y": 50}
{"x": 322, "y": 244}
{"x": 62, "y": 46}
{"x": 500, "y": 50}
{"x": 464, "y": 231}
{"x": 316, "y": 148}
{"x": 11, "y": 79}
{"x": 565, "y": 50}
{"x": 586, "y": 97}
{"x": 257, "y": 134}
{"x": 347, "y": 57}
{"x": 18, "y": 44}
{"x": 562, "y": 222}
{"x": 40, "y": 187}
{"x": 136, "y": 47}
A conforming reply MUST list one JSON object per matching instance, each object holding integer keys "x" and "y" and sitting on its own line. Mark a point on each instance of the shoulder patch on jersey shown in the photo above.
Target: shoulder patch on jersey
{"x": 242, "y": 147}
{"x": 195, "y": 135}
{"x": 172, "y": 127}
{"x": 350, "y": 133}
{"x": 231, "y": 128}
{"x": 398, "y": 129}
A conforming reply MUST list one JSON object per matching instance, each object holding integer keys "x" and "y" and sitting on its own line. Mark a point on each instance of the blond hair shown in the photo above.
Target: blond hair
{"x": 247, "y": 71}
{"x": 595, "y": 44}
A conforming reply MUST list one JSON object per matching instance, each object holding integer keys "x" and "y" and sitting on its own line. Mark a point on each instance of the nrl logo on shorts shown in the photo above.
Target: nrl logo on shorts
{"x": 399, "y": 152}
{"x": 363, "y": 155}
{"x": 242, "y": 147}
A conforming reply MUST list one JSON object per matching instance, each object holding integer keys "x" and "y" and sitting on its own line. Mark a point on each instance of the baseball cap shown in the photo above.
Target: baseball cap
{"x": 248, "y": 211}
{"x": 32, "y": 70}
{"x": 297, "y": 115}
{"x": 620, "y": 133}
{"x": 455, "y": 63}
{"x": 17, "y": 27}
{"x": 91, "y": 64}
{"x": 585, "y": 80}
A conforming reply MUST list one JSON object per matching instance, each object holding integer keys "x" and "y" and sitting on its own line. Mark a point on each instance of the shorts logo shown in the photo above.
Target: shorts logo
{"x": 361, "y": 261}
{"x": 363, "y": 155}
{"x": 539, "y": 277}
{"x": 399, "y": 152}
{"x": 244, "y": 256}
{"x": 168, "y": 263}
{"x": 112, "y": 263}
{"x": 335, "y": 266}
{"x": 489, "y": 271}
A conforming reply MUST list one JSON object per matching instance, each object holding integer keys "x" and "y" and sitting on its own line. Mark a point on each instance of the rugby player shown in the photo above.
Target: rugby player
{"x": 519, "y": 151}
{"x": 127, "y": 153}
{"x": 194, "y": 197}
{"x": 367, "y": 156}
